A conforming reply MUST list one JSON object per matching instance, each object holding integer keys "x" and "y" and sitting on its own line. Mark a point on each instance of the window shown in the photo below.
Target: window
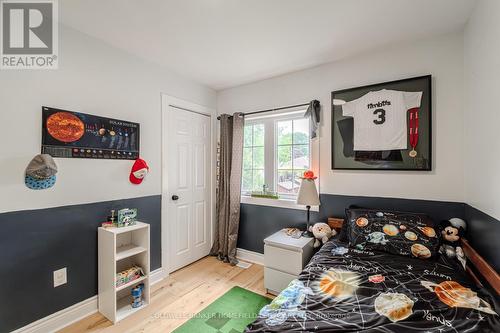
{"x": 253, "y": 158}
{"x": 292, "y": 154}
{"x": 276, "y": 152}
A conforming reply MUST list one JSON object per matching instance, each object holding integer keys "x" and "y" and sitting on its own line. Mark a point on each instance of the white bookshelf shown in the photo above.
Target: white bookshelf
{"x": 120, "y": 249}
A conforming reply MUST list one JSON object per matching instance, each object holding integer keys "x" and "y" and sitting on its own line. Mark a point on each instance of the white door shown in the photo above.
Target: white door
{"x": 189, "y": 186}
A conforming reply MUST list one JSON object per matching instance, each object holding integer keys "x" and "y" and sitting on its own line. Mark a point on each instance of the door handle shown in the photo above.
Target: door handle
{"x": 175, "y": 197}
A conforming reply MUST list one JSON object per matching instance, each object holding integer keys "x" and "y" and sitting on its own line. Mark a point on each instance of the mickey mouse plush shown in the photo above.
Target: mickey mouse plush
{"x": 451, "y": 232}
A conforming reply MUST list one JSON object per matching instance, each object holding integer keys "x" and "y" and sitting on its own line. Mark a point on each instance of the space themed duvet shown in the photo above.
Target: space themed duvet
{"x": 347, "y": 289}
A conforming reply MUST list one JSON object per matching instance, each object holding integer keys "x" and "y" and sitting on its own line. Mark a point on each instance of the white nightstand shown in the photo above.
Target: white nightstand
{"x": 284, "y": 259}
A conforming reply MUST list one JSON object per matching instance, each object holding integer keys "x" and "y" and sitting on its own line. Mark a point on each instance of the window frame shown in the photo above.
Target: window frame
{"x": 275, "y": 153}
{"x": 271, "y": 159}
{"x": 247, "y": 123}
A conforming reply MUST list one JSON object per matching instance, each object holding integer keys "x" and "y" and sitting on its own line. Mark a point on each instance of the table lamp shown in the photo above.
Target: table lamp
{"x": 308, "y": 196}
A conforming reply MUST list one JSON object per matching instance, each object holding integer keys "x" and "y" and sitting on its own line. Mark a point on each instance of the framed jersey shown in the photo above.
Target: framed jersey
{"x": 383, "y": 126}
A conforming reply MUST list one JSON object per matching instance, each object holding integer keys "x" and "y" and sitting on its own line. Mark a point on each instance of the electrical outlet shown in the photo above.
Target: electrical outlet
{"x": 60, "y": 277}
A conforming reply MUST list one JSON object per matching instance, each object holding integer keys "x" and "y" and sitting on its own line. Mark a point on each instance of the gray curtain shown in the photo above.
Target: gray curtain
{"x": 313, "y": 112}
{"x": 229, "y": 190}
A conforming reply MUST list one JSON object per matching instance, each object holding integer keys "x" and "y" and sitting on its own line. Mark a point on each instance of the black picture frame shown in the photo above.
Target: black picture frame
{"x": 102, "y": 137}
{"x": 423, "y": 161}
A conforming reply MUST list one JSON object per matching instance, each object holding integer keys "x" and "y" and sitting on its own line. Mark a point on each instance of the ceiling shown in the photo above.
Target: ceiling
{"x": 225, "y": 43}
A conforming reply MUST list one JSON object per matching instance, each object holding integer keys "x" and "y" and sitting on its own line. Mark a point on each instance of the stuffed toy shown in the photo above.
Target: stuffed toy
{"x": 451, "y": 232}
{"x": 322, "y": 233}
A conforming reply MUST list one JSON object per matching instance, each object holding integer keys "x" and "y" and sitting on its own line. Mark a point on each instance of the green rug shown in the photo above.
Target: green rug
{"x": 230, "y": 313}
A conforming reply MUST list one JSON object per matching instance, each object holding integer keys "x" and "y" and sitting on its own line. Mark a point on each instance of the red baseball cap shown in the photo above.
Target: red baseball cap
{"x": 139, "y": 170}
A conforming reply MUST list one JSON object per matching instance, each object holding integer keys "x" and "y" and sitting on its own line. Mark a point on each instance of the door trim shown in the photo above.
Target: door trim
{"x": 166, "y": 102}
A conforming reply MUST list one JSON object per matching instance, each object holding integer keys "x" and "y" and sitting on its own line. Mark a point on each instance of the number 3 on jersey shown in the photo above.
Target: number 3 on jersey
{"x": 380, "y": 113}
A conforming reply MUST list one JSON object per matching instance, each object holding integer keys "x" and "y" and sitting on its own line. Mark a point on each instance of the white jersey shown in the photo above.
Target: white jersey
{"x": 380, "y": 119}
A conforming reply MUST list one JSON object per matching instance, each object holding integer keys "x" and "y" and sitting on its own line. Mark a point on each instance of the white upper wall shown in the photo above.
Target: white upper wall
{"x": 441, "y": 56}
{"x": 482, "y": 116}
{"x": 94, "y": 78}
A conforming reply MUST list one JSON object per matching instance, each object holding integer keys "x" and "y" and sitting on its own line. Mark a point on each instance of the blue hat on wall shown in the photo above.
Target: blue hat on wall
{"x": 39, "y": 184}
{"x": 41, "y": 172}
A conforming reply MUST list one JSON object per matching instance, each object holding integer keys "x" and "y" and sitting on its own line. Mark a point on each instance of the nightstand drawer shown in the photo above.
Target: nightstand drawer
{"x": 275, "y": 281}
{"x": 284, "y": 260}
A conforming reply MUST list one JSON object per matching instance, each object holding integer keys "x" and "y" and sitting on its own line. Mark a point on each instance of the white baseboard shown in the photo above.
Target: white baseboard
{"x": 63, "y": 318}
{"x": 250, "y": 256}
{"x": 156, "y": 276}
{"x": 74, "y": 313}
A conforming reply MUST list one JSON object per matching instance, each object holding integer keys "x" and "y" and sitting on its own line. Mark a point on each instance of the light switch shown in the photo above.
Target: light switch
{"x": 60, "y": 277}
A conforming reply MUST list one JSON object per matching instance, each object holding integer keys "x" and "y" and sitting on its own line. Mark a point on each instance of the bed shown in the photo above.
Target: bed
{"x": 349, "y": 289}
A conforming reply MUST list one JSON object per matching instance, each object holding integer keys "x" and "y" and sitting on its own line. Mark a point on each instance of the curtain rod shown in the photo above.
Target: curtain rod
{"x": 270, "y": 110}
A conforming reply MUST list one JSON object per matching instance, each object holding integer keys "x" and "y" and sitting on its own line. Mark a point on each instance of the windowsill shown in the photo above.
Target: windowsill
{"x": 281, "y": 203}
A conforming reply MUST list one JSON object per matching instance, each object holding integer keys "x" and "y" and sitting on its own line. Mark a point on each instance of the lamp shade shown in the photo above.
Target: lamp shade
{"x": 308, "y": 195}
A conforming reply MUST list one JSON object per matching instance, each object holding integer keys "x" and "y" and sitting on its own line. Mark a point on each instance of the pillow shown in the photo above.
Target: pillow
{"x": 402, "y": 233}
{"x": 344, "y": 232}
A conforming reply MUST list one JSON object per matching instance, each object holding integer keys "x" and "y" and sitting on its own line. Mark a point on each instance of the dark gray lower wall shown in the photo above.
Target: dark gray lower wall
{"x": 484, "y": 235}
{"x": 258, "y": 222}
{"x": 34, "y": 243}
{"x": 335, "y": 205}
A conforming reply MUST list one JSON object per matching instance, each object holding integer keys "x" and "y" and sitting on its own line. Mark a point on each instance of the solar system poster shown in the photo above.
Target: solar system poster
{"x": 70, "y": 134}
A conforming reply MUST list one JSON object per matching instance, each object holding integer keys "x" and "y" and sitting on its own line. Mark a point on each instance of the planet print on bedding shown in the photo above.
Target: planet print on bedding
{"x": 362, "y": 222}
{"x": 398, "y": 233}
{"x": 390, "y": 230}
{"x": 410, "y": 235}
{"x": 376, "y": 237}
{"x": 339, "y": 251}
{"x": 286, "y": 304}
{"x": 455, "y": 295}
{"x": 428, "y": 231}
{"x": 338, "y": 283}
{"x": 420, "y": 251}
{"x": 395, "y": 306}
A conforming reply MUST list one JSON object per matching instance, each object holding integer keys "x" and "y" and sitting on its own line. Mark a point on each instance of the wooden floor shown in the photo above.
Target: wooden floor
{"x": 182, "y": 294}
